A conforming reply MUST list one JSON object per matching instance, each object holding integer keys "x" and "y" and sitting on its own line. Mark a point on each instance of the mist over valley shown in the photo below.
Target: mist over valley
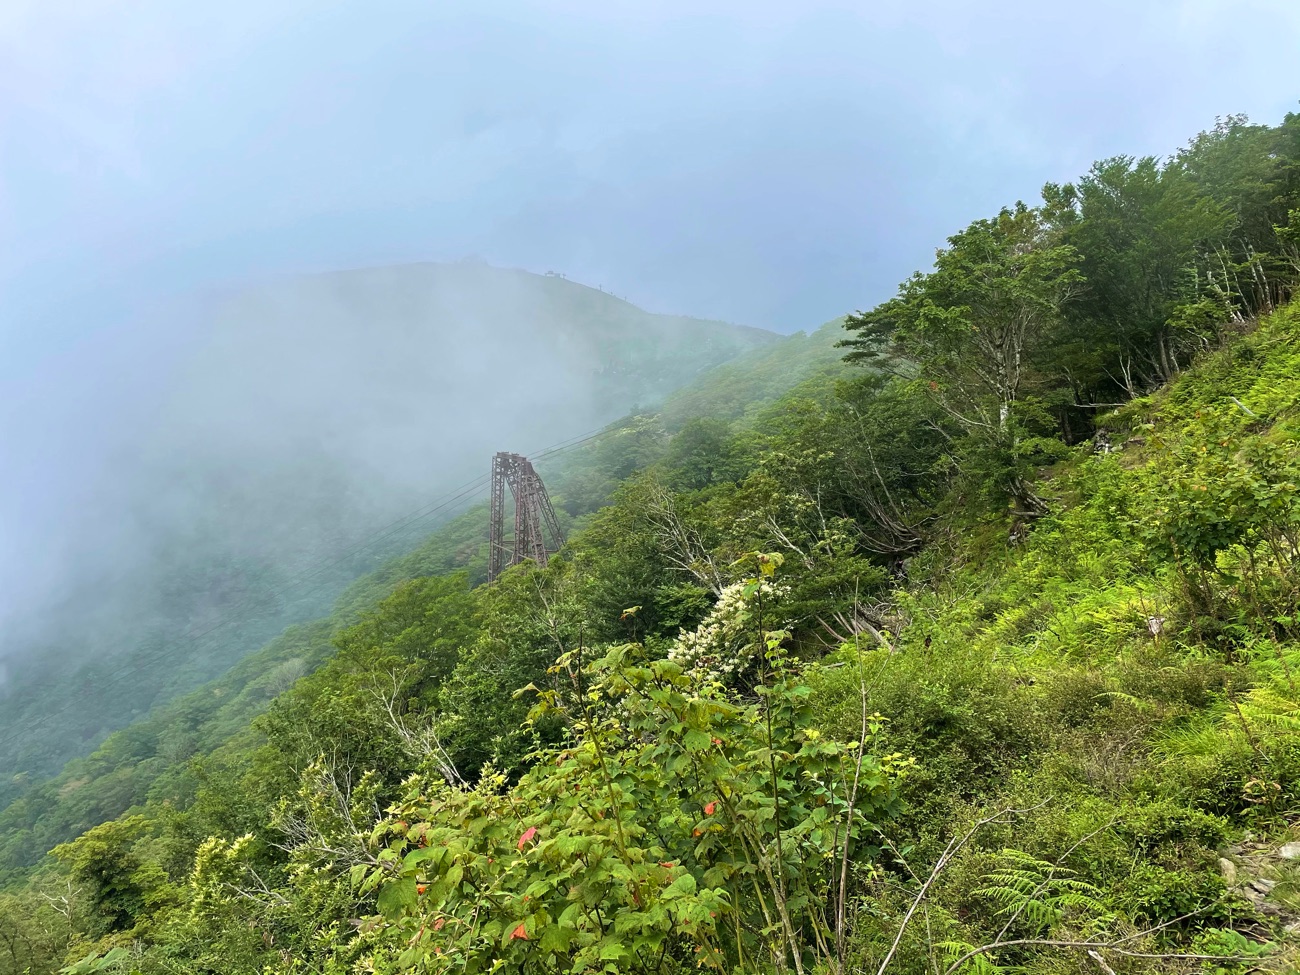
{"x": 298, "y": 418}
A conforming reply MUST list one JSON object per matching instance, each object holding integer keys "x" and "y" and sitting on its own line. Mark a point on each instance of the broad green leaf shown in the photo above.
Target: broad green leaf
{"x": 395, "y": 897}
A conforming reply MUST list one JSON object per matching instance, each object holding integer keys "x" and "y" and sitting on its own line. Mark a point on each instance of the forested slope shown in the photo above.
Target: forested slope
{"x": 149, "y": 757}
{"x": 980, "y": 659}
{"x": 311, "y": 411}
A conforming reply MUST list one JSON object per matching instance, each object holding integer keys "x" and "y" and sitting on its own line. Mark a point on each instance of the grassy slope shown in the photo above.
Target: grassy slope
{"x": 1027, "y": 676}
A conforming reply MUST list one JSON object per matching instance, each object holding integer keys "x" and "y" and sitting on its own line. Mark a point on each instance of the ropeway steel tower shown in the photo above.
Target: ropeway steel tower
{"x": 533, "y": 512}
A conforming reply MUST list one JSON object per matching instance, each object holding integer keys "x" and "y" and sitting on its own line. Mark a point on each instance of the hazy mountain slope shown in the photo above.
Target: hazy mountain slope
{"x": 1039, "y": 661}
{"x": 305, "y": 413}
{"x": 149, "y": 757}
{"x": 760, "y": 376}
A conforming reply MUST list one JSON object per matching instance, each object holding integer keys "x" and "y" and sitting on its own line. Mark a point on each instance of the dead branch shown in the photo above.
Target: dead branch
{"x": 954, "y": 847}
{"x": 422, "y": 742}
{"x": 680, "y": 543}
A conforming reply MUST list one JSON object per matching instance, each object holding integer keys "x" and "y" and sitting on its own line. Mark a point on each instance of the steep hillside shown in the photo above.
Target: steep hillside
{"x": 754, "y": 380}
{"x": 147, "y": 758}
{"x": 1043, "y": 742}
{"x": 311, "y": 412}
{"x": 981, "y": 659}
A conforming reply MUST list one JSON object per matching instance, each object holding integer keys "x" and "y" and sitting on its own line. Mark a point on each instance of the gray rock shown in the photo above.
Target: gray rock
{"x": 1289, "y": 851}
{"x": 1229, "y": 871}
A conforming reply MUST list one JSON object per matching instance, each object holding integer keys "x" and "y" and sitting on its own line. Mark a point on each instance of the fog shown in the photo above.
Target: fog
{"x": 187, "y": 387}
{"x": 266, "y": 427}
{"x": 229, "y": 476}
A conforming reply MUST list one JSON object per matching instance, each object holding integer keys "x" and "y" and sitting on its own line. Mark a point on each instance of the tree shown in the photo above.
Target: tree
{"x": 971, "y": 329}
{"x": 973, "y": 324}
{"x": 103, "y": 861}
{"x": 702, "y": 452}
{"x": 37, "y": 924}
{"x": 1144, "y": 235}
{"x": 1243, "y": 169}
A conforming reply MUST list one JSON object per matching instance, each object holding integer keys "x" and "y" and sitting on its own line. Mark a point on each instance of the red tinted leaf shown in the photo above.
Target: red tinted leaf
{"x": 520, "y": 932}
{"x": 529, "y": 833}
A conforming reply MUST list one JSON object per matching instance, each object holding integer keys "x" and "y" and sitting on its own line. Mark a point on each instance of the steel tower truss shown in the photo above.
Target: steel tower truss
{"x": 533, "y": 513}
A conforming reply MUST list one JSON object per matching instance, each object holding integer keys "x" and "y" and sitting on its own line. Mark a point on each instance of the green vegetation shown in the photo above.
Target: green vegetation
{"x": 149, "y": 759}
{"x": 234, "y": 557}
{"x": 983, "y": 660}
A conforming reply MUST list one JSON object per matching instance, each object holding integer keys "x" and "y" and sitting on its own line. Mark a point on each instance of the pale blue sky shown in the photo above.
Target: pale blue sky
{"x": 775, "y": 164}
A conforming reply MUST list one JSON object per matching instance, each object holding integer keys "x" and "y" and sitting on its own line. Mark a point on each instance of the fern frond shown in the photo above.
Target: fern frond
{"x": 975, "y": 965}
{"x": 1037, "y": 892}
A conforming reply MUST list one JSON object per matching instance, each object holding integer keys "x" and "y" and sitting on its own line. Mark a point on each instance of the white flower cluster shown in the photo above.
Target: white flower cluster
{"x": 727, "y": 641}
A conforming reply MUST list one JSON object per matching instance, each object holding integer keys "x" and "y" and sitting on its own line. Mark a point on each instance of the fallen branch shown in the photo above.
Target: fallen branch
{"x": 951, "y": 850}
{"x": 1091, "y": 947}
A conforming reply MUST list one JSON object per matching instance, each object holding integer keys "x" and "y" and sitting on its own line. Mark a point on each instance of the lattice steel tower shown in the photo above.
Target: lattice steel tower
{"x": 533, "y": 511}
